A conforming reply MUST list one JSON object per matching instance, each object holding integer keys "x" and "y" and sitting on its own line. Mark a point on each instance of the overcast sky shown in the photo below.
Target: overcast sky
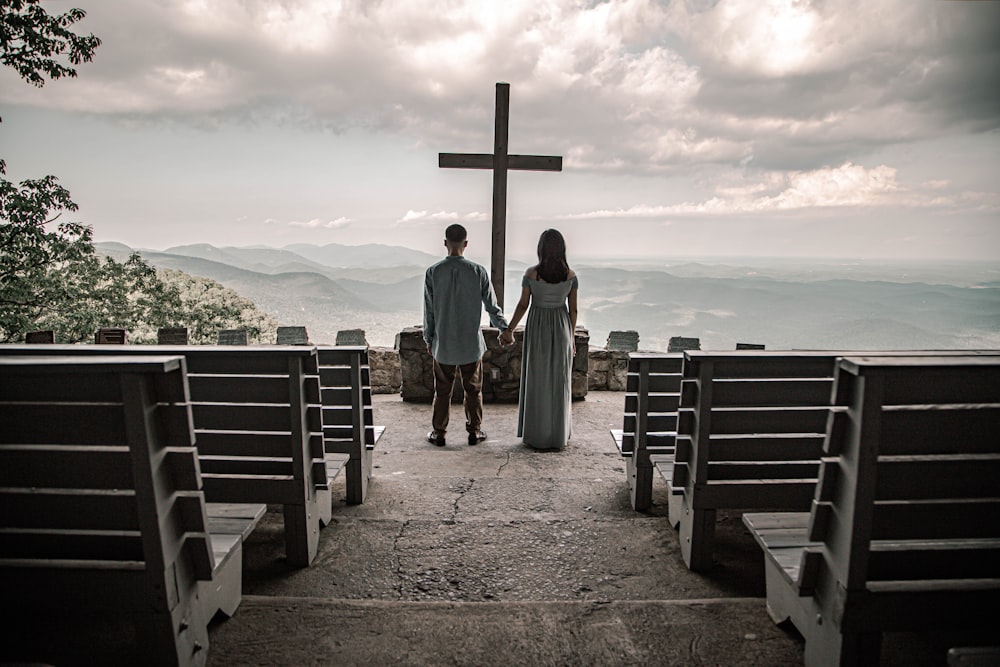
{"x": 826, "y": 128}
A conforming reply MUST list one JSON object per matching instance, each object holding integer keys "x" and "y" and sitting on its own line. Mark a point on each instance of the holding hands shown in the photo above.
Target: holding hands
{"x": 506, "y": 338}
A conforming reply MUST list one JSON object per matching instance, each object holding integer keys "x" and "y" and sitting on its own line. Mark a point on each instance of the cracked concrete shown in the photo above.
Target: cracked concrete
{"x": 501, "y": 555}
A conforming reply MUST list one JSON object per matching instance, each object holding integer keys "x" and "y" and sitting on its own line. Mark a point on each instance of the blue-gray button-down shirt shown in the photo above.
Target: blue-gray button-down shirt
{"x": 455, "y": 290}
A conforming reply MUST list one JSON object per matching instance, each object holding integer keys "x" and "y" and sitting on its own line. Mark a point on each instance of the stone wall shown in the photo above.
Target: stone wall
{"x": 501, "y": 366}
{"x": 386, "y": 376}
{"x": 606, "y": 370}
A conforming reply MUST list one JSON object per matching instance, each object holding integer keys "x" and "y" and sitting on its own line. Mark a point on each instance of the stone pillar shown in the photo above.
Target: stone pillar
{"x": 501, "y": 366}
{"x": 415, "y": 365}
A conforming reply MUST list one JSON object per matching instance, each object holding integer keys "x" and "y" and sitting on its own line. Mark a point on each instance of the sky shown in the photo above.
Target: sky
{"x": 700, "y": 128}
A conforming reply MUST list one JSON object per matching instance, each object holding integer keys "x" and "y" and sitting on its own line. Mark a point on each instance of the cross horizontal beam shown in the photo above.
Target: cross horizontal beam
{"x": 488, "y": 161}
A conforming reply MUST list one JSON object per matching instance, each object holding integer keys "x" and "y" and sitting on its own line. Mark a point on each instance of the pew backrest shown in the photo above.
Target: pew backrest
{"x": 102, "y": 501}
{"x": 258, "y": 422}
{"x": 652, "y": 392}
{"x": 908, "y": 493}
{"x": 348, "y": 419}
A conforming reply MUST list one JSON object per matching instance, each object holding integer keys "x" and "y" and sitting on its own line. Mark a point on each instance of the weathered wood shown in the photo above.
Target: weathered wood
{"x": 348, "y": 423}
{"x": 649, "y": 419}
{"x": 907, "y": 540}
{"x": 249, "y": 407}
{"x": 500, "y": 162}
{"x": 130, "y": 524}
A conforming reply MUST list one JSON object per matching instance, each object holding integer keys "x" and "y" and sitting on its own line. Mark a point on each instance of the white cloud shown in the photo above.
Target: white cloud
{"x": 848, "y": 185}
{"x": 319, "y": 223}
{"x": 425, "y": 216}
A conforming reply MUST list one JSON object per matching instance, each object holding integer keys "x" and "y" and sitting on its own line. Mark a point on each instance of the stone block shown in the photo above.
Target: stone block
{"x": 749, "y": 346}
{"x": 172, "y": 336}
{"x": 111, "y": 336}
{"x": 292, "y": 336}
{"x": 233, "y": 337}
{"x": 680, "y": 343}
{"x": 623, "y": 341}
{"x": 355, "y": 337}
{"x": 40, "y": 337}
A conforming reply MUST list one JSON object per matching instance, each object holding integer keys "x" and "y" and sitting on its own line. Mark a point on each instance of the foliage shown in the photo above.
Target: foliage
{"x": 205, "y": 307}
{"x": 32, "y": 41}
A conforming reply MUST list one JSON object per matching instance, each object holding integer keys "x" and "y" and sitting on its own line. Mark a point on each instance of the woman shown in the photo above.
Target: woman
{"x": 543, "y": 419}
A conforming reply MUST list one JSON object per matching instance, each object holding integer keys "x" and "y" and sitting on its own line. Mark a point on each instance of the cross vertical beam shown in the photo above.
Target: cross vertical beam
{"x": 500, "y": 161}
{"x": 500, "y": 164}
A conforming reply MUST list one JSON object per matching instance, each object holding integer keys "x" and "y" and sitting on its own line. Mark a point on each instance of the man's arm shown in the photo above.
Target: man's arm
{"x": 429, "y": 323}
{"x": 490, "y": 302}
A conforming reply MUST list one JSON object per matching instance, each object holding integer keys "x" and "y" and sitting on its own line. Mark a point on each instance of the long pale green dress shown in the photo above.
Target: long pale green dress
{"x": 544, "y": 420}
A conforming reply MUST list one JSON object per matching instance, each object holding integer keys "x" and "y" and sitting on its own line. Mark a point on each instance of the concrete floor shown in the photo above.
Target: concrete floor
{"x": 500, "y": 555}
{"x": 489, "y": 555}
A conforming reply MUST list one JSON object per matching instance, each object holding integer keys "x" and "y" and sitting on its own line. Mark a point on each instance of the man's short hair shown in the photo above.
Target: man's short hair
{"x": 455, "y": 233}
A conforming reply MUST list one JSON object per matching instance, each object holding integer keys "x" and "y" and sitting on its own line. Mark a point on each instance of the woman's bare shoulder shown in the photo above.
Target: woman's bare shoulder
{"x": 531, "y": 273}
{"x": 571, "y": 274}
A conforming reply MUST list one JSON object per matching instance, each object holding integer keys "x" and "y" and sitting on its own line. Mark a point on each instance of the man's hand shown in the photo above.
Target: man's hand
{"x": 429, "y": 351}
{"x": 506, "y": 338}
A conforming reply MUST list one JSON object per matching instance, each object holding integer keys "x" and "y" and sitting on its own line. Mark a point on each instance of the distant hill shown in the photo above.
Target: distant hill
{"x": 783, "y": 305}
{"x": 362, "y": 256}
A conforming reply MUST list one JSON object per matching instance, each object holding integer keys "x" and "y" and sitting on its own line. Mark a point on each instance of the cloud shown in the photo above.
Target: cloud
{"x": 636, "y": 86}
{"x": 314, "y": 223}
{"x": 847, "y": 186}
{"x": 412, "y": 216}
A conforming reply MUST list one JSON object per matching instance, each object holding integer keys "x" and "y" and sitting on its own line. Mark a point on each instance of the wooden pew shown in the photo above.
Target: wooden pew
{"x": 749, "y": 437}
{"x": 904, "y": 530}
{"x": 650, "y": 423}
{"x": 103, "y": 507}
{"x": 750, "y": 432}
{"x": 258, "y": 422}
{"x": 349, "y": 431}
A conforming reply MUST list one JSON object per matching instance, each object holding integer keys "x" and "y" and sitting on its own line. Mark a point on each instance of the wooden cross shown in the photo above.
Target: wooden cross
{"x": 499, "y": 161}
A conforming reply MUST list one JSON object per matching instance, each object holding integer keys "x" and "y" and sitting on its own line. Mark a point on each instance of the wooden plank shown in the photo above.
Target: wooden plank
{"x": 780, "y": 392}
{"x": 767, "y": 447}
{"x": 239, "y": 388}
{"x": 721, "y": 471}
{"x": 655, "y": 402}
{"x": 41, "y": 508}
{"x": 954, "y": 559}
{"x": 65, "y": 466}
{"x": 762, "y": 494}
{"x": 769, "y": 420}
{"x": 928, "y": 477}
{"x": 218, "y": 416}
{"x": 242, "y": 443}
{"x": 664, "y": 383}
{"x": 936, "y": 519}
{"x": 930, "y": 430}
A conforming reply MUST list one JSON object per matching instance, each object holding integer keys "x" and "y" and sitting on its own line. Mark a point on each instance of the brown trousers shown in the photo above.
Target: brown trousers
{"x": 444, "y": 383}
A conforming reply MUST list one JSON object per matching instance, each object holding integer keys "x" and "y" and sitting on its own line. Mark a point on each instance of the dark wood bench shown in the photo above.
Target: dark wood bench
{"x": 904, "y": 530}
{"x": 103, "y": 507}
{"x": 649, "y": 427}
{"x": 749, "y": 437}
{"x": 258, "y": 423}
{"x": 349, "y": 430}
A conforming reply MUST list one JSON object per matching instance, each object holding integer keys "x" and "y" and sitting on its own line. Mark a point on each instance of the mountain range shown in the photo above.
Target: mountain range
{"x": 833, "y": 305}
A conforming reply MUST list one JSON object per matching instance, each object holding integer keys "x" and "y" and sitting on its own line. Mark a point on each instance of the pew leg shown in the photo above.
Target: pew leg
{"x": 324, "y": 506}
{"x": 826, "y": 646}
{"x": 225, "y": 590}
{"x": 356, "y": 483}
{"x": 178, "y": 637}
{"x": 697, "y": 534}
{"x": 640, "y": 482}
{"x": 301, "y": 533}
{"x": 675, "y": 502}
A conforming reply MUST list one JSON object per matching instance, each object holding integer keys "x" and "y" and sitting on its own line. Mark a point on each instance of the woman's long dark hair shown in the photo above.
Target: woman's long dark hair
{"x": 552, "y": 265}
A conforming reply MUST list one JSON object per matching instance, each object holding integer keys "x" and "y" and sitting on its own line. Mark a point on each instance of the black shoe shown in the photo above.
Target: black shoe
{"x": 476, "y": 437}
{"x": 436, "y": 438}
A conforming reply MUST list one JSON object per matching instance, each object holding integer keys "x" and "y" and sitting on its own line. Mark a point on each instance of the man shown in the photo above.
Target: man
{"x": 455, "y": 290}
